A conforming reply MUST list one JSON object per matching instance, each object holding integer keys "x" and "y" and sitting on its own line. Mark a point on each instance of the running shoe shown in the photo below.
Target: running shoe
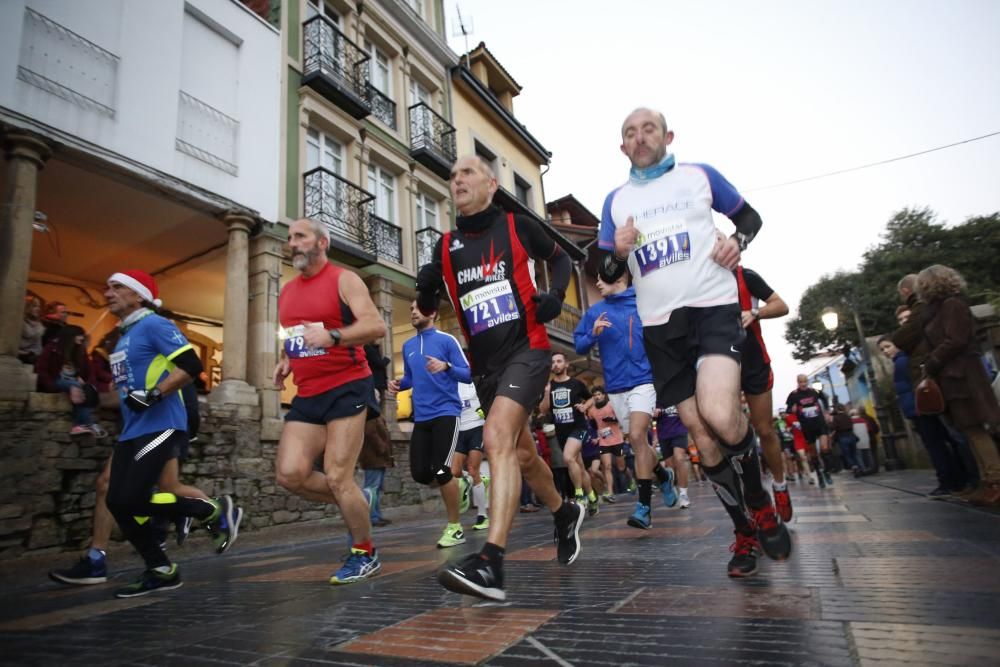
{"x": 568, "y": 519}
{"x": 641, "y": 517}
{"x": 631, "y": 486}
{"x": 683, "y": 501}
{"x": 183, "y": 526}
{"x": 593, "y": 506}
{"x": 84, "y": 572}
{"x": 939, "y": 493}
{"x": 464, "y": 495}
{"x": 224, "y": 525}
{"x": 829, "y": 478}
{"x": 783, "y": 503}
{"x": 482, "y": 523}
{"x": 772, "y": 533}
{"x": 80, "y": 429}
{"x": 357, "y": 566}
{"x": 98, "y": 431}
{"x": 744, "y": 560}
{"x": 812, "y": 478}
{"x": 667, "y": 490}
{"x": 821, "y": 478}
{"x": 151, "y": 581}
{"x": 452, "y": 536}
{"x": 474, "y": 575}
{"x": 608, "y": 498}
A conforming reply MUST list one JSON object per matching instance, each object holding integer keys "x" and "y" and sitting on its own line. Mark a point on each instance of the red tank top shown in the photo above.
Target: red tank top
{"x": 317, "y": 299}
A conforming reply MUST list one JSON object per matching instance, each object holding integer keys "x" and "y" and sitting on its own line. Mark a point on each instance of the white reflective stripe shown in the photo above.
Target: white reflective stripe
{"x": 454, "y": 443}
{"x": 154, "y": 443}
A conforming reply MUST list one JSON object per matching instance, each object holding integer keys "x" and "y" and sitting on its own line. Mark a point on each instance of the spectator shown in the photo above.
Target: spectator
{"x": 843, "y": 435}
{"x": 54, "y": 320}
{"x": 954, "y": 362}
{"x": 864, "y": 444}
{"x": 100, "y": 361}
{"x": 63, "y": 367}
{"x": 376, "y": 451}
{"x": 31, "y": 331}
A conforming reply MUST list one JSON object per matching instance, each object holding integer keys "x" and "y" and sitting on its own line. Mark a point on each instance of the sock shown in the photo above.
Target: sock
{"x": 365, "y": 546}
{"x": 727, "y": 486}
{"x": 165, "y": 569}
{"x": 646, "y": 492}
{"x": 743, "y": 456}
{"x": 95, "y": 554}
{"x": 480, "y": 498}
{"x": 593, "y": 496}
{"x": 683, "y": 490}
{"x": 578, "y": 493}
{"x": 454, "y": 526}
{"x": 492, "y": 553}
{"x": 661, "y": 474}
{"x": 780, "y": 487}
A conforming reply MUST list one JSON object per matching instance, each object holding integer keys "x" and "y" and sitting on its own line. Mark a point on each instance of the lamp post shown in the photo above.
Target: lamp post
{"x": 831, "y": 320}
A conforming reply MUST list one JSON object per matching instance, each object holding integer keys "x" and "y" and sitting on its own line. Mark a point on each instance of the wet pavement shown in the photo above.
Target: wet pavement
{"x": 880, "y": 575}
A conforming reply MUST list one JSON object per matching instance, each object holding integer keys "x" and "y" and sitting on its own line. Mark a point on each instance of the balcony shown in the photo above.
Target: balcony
{"x": 426, "y": 239}
{"x": 382, "y": 106}
{"x": 344, "y": 208}
{"x": 432, "y": 140}
{"x": 335, "y": 67}
{"x": 388, "y": 239}
{"x": 563, "y": 326}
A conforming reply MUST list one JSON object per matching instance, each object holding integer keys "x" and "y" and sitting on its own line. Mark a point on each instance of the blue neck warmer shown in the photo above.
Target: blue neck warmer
{"x": 649, "y": 173}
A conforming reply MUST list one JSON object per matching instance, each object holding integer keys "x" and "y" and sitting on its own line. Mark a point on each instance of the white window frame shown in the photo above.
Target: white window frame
{"x": 374, "y": 65}
{"x": 322, "y": 8}
{"x": 381, "y": 181}
{"x": 426, "y": 205}
{"x": 324, "y": 146}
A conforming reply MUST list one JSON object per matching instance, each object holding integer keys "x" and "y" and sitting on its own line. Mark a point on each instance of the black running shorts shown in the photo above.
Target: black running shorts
{"x": 675, "y": 347}
{"x": 470, "y": 440}
{"x": 614, "y": 450}
{"x": 756, "y": 377}
{"x": 668, "y": 445}
{"x": 522, "y": 379}
{"x": 346, "y": 400}
{"x": 431, "y": 446}
{"x": 812, "y": 429}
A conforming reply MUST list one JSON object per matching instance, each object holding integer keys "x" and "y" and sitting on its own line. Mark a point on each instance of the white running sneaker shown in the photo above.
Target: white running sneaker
{"x": 684, "y": 502}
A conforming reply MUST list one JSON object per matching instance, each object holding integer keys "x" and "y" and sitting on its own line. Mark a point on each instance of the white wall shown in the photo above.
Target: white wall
{"x": 162, "y": 47}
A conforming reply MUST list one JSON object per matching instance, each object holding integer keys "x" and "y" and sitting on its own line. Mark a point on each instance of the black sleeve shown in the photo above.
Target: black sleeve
{"x": 584, "y": 392}
{"x": 541, "y": 246}
{"x": 822, "y": 399}
{"x": 747, "y": 221}
{"x": 429, "y": 281}
{"x": 188, "y": 362}
{"x": 756, "y": 284}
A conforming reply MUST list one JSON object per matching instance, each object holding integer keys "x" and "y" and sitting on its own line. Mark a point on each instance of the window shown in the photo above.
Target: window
{"x": 380, "y": 72}
{"x": 322, "y": 150}
{"x": 417, "y": 6}
{"x": 419, "y": 93}
{"x": 489, "y": 157}
{"x": 427, "y": 212}
{"x": 522, "y": 190}
{"x": 321, "y": 8}
{"x": 382, "y": 184}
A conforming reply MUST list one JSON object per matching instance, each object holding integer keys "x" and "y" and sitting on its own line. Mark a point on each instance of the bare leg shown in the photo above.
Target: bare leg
{"x": 680, "y": 467}
{"x": 606, "y": 462}
{"x": 344, "y": 438}
{"x": 170, "y": 482}
{"x": 104, "y": 523}
{"x": 763, "y": 424}
{"x": 449, "y": 494}
{"x": 301, "y": 444}
{"x": 574, "y": 462}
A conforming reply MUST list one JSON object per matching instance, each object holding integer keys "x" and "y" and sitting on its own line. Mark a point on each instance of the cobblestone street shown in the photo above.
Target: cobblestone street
{"x": 879, "y": 575}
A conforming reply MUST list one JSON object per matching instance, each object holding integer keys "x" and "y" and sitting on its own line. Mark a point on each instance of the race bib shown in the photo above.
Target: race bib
{"x": 563, "y": 415}
{"x": 663, "y": 250}
{"x": 119, "y": 368}
{"x": 605, "y": 433}
{"x": 487, "y": 306}
{"x": 810, "y": 412}
{"x": 294, "y": 342}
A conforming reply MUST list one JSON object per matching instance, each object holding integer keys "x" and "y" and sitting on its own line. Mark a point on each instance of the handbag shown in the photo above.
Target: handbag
{"x": 929, "y": 399}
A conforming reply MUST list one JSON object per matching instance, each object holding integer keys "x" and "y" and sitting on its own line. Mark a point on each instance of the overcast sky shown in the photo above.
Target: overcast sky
{"x": 767, "y": 92}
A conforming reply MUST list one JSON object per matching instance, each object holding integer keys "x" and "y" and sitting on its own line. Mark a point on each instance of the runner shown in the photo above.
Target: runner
{"x": 485, "y": 266}
{"x": 811, "y": 409}
{"x": 433, "y": 365}
{"x": 327, "y": 316}
{"x": 759, "y": 302}
{"x": 610, "y": 440}
{"x": 802, "y": 447}
{"x": 151, "y": 362}
{"x": 567, "y": 400}
{"x": 468, "y": 458}
{"x": 673, "y": 438}
{"x": 659, "y": 225}
{"x": 614, "y": 325}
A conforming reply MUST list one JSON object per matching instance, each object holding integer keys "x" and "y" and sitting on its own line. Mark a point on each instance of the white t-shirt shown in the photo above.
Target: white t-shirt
{"x": 671, "y": 263}
{"x": 861, "y": 431}
{"x": 470, "y": 407}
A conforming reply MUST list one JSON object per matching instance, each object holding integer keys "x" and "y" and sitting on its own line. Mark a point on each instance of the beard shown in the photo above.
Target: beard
{"x": 301, "y": 260}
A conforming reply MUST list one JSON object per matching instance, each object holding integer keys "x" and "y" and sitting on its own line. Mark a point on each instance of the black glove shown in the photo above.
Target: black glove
{"x": 140, "y": 399}
{"x": 427, "y": 302}
{"x": 548, "y": 306}
{"x": 428, "y": 290}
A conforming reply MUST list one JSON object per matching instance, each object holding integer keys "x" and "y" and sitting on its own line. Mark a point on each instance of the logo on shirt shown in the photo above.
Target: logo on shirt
{"x": 492, "y": 270}
{"x": 665, "y": 209}
{"x": 456, "y": 244}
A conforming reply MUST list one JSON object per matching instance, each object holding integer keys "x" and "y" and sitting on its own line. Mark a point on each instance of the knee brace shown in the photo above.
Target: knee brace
{"x": 748, "y": 443}
{"x": 443, "y": 476}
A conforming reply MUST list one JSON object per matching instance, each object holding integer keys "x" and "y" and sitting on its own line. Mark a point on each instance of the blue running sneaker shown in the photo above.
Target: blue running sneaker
{"x": 150, "y": 581}
{"x": 641, "y": 517}
{"x": 224, "y": 526}
{"x": 667, "y": 489}
{"x": 92, "y": 568}
{"x": 358, "y": 565}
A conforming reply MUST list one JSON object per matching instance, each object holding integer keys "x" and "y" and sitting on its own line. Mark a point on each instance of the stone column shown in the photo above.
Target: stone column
{"x": 25, "y": 157}
{"x": 380, "y": 289}
{"x": 234, "y": 388}
{"x": 266, "y": 251}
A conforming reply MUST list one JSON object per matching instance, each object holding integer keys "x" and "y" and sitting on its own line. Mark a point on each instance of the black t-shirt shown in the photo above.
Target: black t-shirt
{"x": 752, "y": 290}
{"x": 563, "y": 396}
{"x": 808, "y": 405}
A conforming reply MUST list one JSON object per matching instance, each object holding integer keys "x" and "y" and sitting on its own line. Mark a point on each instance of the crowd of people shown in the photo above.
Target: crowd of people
{"x": 686, "y": 387}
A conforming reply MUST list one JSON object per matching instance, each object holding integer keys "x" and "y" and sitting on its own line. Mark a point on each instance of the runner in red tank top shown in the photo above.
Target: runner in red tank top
{"x": 326, "y": 316}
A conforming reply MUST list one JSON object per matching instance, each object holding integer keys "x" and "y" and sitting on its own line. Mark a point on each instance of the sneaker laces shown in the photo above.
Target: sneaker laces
{"x": 744, "y": 544}
{"x": 765, "y": 519}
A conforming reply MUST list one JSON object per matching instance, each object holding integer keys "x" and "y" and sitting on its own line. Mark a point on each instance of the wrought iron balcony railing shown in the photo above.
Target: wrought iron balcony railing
{"x": 426, "y": 238}
{"x": 382, "y": 106}
{"x": 342, "y": 206}
{"x": 432, "y": 139}
{"x": 388, "y": 239}
{"x": 567, "y": 321}
{"x": 335, "y": 66}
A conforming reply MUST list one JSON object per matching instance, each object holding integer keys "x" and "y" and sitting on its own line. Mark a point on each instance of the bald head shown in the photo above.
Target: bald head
{"x": 646, "y": 110}
{"x": 645, "y": 137}
{"x": 473, "y": 184}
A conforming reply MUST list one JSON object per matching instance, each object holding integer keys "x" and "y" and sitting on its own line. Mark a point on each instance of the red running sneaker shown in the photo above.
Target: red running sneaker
{"x": 744, "y": 560}
{"x": 772, "y": 533}
{"x": 783, "y": 504}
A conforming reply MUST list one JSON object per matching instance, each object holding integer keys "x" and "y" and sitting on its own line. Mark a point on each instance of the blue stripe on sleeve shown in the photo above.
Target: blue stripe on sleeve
{"x": 725, "y": 198}
{"x": 606, "y": 232}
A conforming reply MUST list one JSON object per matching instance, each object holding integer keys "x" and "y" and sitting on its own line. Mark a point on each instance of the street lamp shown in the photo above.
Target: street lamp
{"x": 831, "y": 321}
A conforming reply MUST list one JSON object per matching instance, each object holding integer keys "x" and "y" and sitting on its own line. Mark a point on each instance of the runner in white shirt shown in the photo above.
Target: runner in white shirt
{"x": 468, "y": 456}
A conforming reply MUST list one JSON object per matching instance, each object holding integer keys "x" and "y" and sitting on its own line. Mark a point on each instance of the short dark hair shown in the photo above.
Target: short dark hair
{"x": 598, "y": 388}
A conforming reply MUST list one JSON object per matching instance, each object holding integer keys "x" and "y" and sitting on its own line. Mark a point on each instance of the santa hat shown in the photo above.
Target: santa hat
{"x": 139, "y": 282}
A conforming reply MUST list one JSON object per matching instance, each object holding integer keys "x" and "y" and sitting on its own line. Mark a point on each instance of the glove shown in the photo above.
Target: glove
{"x": 139, "y": 400}
{"x": 427, "y": 302}
{"x": 548, "y": 306}
{"x": 428, "y": 290}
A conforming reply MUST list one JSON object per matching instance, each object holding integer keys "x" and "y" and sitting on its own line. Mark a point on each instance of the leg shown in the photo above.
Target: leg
{"x": 169, "y": 482}
{"x": 344, "y": 437}
{"x": 506, "y": 425}
{"x": 606, "y": 461}
{"x": 104, "y": 523}
{"x": 300, "y": 445}
{"x": 574, "y": 463}
{"x": 763, "y": 425}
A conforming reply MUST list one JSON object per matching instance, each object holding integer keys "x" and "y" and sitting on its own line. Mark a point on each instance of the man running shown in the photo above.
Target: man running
{"x": 468, "y": 457}
{"x": 812, "y": 411}
{"x": 610, "y": 441}
{"x": 673, "y": 438}
{"x": 614, "y": 325}
{"x": 759, "y": 302}
{"x": 151, "y": 362}
{"x": 433, "y": 366}
{"x": 568, "y": 400}
{"x": 327, "y": 315}
{"x": 485, "y": 267}
{"x": 659, "y": 225}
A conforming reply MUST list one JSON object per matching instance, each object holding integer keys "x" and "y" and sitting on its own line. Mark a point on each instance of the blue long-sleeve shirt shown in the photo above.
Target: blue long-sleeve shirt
{"x": 434, "y": 394}
{"x": 623, "y": 354}
{"x": 904, "y": 387}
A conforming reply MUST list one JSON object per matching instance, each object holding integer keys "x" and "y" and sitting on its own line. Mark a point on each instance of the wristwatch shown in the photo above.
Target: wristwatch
{"x": 755, "y": 313}
{"x": 742, "y": 240}
{"x": 335, "y": 335}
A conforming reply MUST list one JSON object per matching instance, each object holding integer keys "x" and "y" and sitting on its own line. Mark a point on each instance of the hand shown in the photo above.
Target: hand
{"x": 601, "y": 324}
{"x": 392, "y": 388}
{"x": 436, "y": 365}
{"x": 547, "y": 307}
{"x": 139, "y": 400}
{"x": 378, "y": 396}
{"x": 76, "y": 396}
{"x": 281, "y": 371}
{"x": 316, "y": 336}
{"x": 581, "y": 407}
{"x": 726, "y": 253}
{"x": 747, "y": 318}
{"x": 625, "y": 238}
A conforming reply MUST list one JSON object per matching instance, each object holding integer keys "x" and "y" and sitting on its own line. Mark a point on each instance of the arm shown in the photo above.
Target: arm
{"x": 545, "y": 407}
{"x": 429, "y": 282}
{"x": 367, "y": 327}
{"x": 541, "y": 247}
{"x": 454, "y": 363}
{"x": 774, "y": 305}
{"x": 728, "y": 201}
{"x": 957, "y": 320}
{"x": 583, "y": 340}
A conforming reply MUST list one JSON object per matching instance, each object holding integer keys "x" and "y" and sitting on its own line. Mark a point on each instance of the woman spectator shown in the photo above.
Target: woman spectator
{"x": 864, "y": 444}
{"x": 31, "y": 331}
{"x": 954, "y": 363}
{"x": 63, "y": 366}
{"x": 843, "y": 435}
{"x": 100, "y": 362}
